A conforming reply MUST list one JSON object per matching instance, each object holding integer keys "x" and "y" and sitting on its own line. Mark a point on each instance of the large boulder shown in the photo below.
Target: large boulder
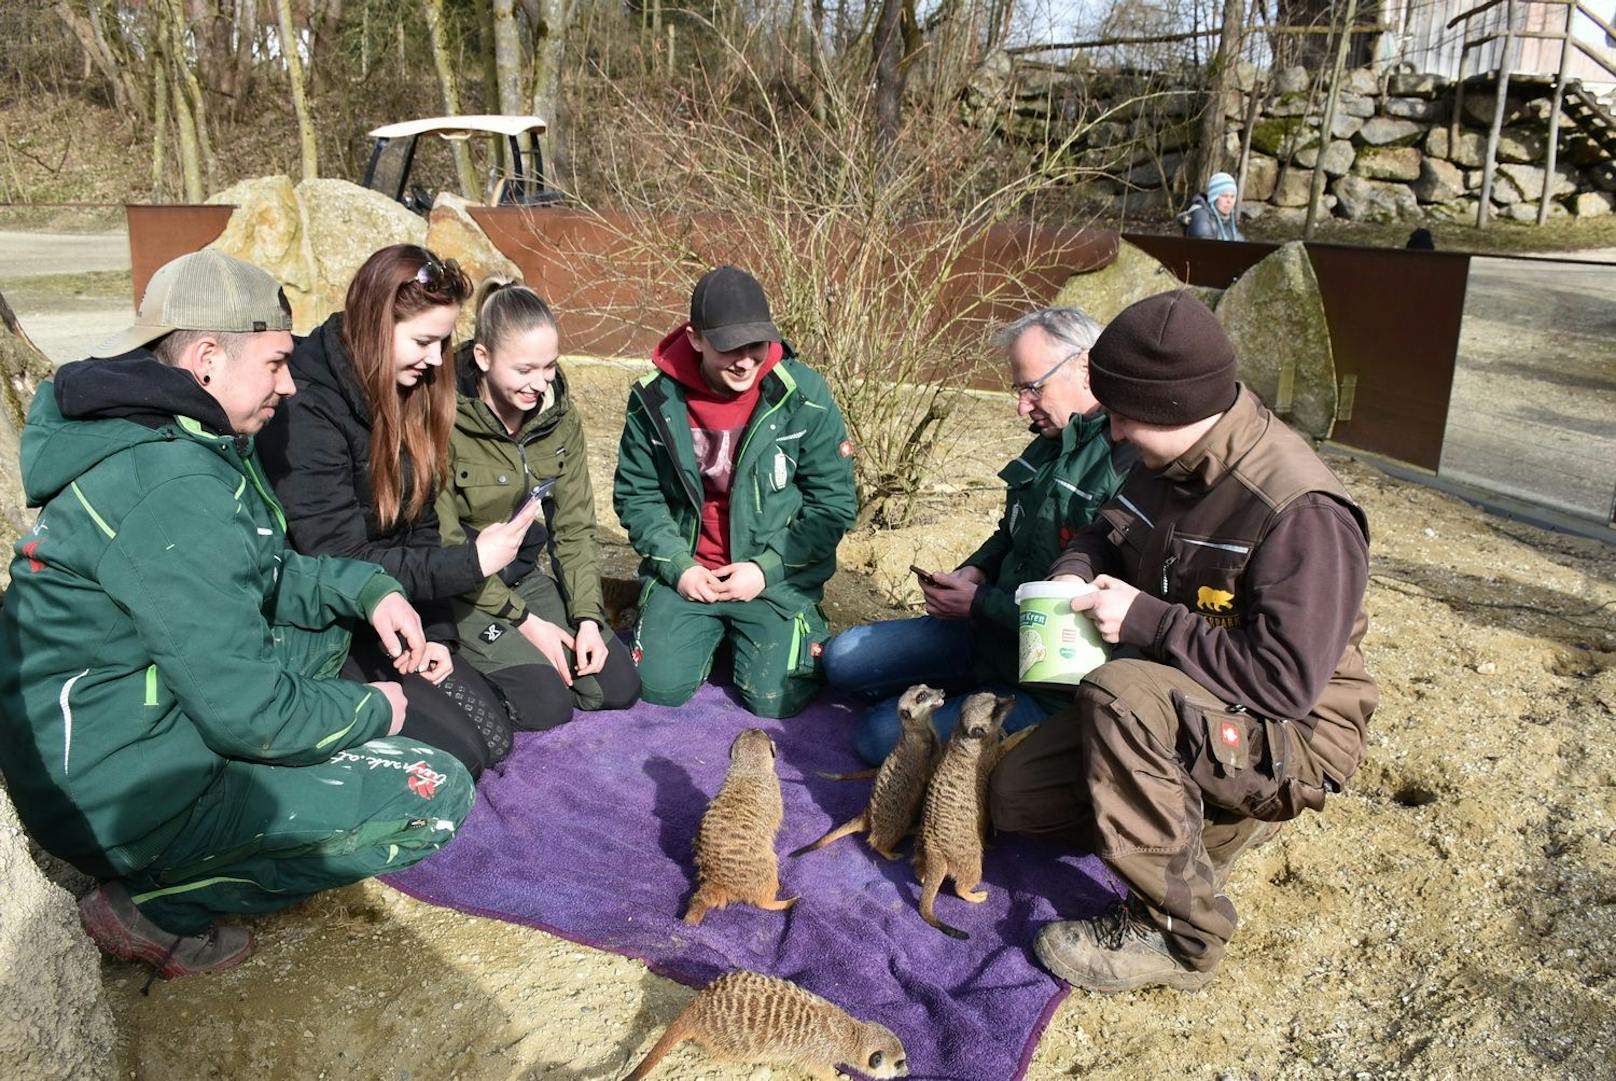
{"x": 1131, "y": 276}
{"x": 1375, "y": 200}
{"x": 452, "y": 233}
{"x": 1336, "y": 161}
{"x": 1353, "y": 105}
{"x": 1280, "y": 137}
{"x": 56, "y": 1023}
{"x": 1439, "y": 181}
{"x": 1275, "y": 316}
{"x": 1478, "y": 109}
{"x": 1261, "y": 174}
{"x": 267, "y": 231}
{"x": 1527, "y": 180}
{"x": 1416, "y": 109}
{"x": 1386, "y": 131}
{"x": 1469, "y": 150}
{"x": 345, "y": 224}
{"x": 1411, "y": 85}
{"x": 1294, "y": 187}
{"x": 1345, "y": 126}
{"x": 1524, "y": 146}
{"x": 1292, "y": 80}
{"x": 1593, "y": 204}
{"x": 1361, "y": 81}
{"x": 1388, "y": 163}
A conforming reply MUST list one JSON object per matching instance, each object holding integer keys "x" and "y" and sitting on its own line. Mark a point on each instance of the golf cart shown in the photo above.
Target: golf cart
{"x": 394, "y": 153}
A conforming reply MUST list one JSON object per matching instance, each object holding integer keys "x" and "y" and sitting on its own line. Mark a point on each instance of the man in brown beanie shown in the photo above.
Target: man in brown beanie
{"x": 1230, "y": 569}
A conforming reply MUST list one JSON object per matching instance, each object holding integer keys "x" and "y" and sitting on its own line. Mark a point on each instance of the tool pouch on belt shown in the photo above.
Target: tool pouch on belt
{"x": 1245, "y": 763}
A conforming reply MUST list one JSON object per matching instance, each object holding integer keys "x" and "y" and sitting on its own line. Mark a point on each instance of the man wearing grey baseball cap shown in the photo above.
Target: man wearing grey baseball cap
{"x": 735, "y": 485}
{"x": 1230, "y": 570}
{"x": 165, "y": 657}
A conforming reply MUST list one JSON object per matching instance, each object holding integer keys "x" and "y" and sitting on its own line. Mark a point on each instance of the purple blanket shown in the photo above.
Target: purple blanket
{"x": 587, "y": 832}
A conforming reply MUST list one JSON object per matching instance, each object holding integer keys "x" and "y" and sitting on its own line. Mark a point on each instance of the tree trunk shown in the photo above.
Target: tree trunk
{"x": 159, "y": 93}
{"x": 300, "y": 101}
{"x": 451, "y": 97}
{"x": 190, "y": 150}
{"x": 498, "y": 155}
{"x": 887, "y": 54}
{"x": 187, "y": 84}
{"x": 22, "y": 368}
{"x": 1315, "y": 196}
{"x": 88, "y": 29}
{"x": 1220, "y": 87}
{"x": 508, "y": 65}
{"x": 549, "y": 47}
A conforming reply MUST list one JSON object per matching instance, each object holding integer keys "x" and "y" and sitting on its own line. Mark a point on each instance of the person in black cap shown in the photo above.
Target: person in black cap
{"x": 735, "y": 484}
{"x": 1230, "y": 569}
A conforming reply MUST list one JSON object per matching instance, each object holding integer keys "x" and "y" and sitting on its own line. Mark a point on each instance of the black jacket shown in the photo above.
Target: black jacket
{"x": 317, "y": 454}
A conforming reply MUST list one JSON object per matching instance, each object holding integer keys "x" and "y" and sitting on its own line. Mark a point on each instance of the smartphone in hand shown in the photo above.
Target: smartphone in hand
{"x": 925, "y": 576}
{"x": 535, "y": 496}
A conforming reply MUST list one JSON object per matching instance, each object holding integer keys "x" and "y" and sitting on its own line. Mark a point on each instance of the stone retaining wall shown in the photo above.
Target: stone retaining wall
{"x": 1390, "y": 155}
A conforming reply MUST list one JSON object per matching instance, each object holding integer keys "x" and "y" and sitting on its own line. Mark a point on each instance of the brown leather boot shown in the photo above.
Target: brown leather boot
{"x": 1118, "y": 950}
{"x": 119, "y": 929}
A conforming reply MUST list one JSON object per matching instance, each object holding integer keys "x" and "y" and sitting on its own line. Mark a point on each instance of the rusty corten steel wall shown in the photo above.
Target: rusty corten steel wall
{"x": 1394, "y": 321}
{"x": 618, "y": 299}
{"x": 160, "y": 233}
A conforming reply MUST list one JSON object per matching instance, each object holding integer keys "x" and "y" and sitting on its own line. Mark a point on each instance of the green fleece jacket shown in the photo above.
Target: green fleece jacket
{"x": 490, "y": 473}
{"x": 1053, "y": 489}
{"x": 157, "y": 624}
{"x": 791, "y": 499}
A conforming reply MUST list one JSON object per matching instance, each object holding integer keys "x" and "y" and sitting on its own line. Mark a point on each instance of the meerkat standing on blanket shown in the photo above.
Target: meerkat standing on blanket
{"x": 900, "y": 783}
{"x": 954, "y": 825}
{"x": 748, "y": 1017}
{"x": 735, "y": 857}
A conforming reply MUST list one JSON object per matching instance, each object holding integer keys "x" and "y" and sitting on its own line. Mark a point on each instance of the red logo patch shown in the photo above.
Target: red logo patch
{"x": 636, "y": 653}
{"x": 845, "y": 449}
{"x": 1065, "y": 536}
{"x": 34, "y": 565}
{"x": 816, "y": 649}
{"x": 1229, "y": 734}
{"x": 424, "y": 780}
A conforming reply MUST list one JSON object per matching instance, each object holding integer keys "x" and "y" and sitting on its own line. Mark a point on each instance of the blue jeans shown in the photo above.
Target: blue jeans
{"x": 882, "y": 660}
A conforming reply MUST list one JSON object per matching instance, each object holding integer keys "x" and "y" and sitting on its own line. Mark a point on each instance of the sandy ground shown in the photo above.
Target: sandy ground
{"x": 1452, "y": 915}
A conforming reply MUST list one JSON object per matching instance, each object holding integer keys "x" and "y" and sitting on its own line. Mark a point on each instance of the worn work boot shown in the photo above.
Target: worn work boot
{"x": 1223, "y": 862}
{"x": 1118, "y": 950}
{"x": 118, "y": 927}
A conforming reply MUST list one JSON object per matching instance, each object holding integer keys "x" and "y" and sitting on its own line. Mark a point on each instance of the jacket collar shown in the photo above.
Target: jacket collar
{"x": 1220, "y": 450}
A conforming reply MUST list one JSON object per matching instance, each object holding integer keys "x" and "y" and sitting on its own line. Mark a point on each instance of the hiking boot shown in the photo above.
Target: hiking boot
{"x": 1118, "y": 950}
{"x": 1225, "y": 861}
{"x": 117, "y": 926}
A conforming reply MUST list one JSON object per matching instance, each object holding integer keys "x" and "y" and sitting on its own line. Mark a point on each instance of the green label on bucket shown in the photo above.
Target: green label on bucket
{"x": 1034, "y": 619}
{"x": 1058, "y": 647}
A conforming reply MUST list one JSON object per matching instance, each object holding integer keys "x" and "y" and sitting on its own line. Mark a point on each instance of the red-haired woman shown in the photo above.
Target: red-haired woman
{"x": 357, "y": 457}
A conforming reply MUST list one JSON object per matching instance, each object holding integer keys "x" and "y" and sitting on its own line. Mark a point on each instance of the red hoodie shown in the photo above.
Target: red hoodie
{"x": 717, "y": 421}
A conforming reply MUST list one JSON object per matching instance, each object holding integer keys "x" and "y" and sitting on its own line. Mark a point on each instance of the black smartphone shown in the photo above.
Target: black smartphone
{"x": 924, "y": 576}
{"x": 535, "y": 495}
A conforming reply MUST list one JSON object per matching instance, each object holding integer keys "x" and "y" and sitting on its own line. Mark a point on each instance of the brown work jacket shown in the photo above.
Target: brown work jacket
{"x": 1252, "y": 561}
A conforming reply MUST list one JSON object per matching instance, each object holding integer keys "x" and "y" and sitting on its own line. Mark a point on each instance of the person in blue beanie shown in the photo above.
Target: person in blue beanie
{"x": 1215, "y": 215}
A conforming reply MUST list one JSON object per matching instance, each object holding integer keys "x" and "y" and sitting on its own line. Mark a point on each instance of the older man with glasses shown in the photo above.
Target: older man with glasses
{"x": 967, "y": 639}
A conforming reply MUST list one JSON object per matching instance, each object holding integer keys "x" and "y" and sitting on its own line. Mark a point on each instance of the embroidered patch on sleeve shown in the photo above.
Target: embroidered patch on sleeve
{"x": 845, "y": 449}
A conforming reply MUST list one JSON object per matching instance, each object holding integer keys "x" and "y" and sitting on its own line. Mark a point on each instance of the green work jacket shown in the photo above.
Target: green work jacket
{"x": 792, "y": 496}
{"x": 157, "y": 624}
{"x": 490, "y": 473}
{"x": 1055, "y": 487}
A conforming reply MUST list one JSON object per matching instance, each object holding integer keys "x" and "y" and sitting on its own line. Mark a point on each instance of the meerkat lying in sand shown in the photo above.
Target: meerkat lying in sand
{"x": 735, "y": 857}
{"x": 749, "y": 1017}
{"x": 954, "y": 824}
{"x": 900, "y": 783}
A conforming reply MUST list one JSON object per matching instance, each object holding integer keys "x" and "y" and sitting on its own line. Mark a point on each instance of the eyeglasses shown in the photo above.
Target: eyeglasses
{"x": 1036, "y": 387}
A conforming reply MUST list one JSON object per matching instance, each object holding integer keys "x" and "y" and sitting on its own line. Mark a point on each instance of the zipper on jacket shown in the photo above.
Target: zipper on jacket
{"x": 1165, "y": 567}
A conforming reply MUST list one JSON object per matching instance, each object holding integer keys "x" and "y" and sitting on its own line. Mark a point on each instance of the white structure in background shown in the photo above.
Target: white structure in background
{"x": 1422, "y": 40}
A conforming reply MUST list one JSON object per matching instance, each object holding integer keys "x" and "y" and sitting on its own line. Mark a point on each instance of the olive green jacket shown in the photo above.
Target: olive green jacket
{"x": 490, "y": 473}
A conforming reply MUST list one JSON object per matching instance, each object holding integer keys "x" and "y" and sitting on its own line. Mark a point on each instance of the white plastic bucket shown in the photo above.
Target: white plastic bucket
{"x": 1058, "y": 646}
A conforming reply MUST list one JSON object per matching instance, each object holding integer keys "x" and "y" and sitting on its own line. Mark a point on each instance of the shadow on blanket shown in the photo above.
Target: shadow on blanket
{"x": 586, "y": 832}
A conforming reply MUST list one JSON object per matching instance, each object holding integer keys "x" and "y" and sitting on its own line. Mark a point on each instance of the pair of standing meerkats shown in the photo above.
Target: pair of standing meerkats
{"x": 945, "y": 789}
{"x": 749, "y": 1016}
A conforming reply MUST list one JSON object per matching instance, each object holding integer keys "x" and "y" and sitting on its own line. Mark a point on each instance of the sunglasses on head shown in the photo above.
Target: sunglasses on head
{"x": 434, "y": 271}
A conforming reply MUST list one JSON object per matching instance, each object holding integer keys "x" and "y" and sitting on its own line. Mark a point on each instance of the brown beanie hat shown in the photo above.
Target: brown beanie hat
{"x": 1164, "y": 360}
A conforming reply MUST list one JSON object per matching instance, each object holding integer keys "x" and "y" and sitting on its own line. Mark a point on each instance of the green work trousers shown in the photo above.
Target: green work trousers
{"x": 264, "y": 837}
{"x": 777, "y": 666}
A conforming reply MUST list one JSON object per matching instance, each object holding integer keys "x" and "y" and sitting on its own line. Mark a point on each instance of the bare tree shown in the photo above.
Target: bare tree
{"x": 887, "y": 61}
{"x": 451, "y": 96}
{"x": 300, "y": 101}
{"x": 1220, "y": 93}
{"x": 88, "y": 23}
